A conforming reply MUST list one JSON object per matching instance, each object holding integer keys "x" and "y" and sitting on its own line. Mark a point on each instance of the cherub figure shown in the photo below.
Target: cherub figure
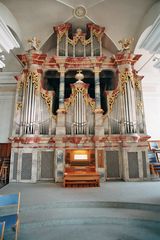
{"x": 126, "y": 43}
{"x": 35, "y": 43}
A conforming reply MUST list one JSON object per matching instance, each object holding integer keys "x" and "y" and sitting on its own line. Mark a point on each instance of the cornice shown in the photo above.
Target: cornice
{"x": 8, "y": 78}
{"x": 7, "y": 40}
{"x": 151, "y": 42}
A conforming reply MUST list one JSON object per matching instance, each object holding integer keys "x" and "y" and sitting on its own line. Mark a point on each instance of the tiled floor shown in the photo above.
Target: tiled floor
{"x": 115, "y": 211}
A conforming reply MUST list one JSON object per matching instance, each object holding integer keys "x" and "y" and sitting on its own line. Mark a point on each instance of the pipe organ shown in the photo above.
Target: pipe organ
{"x": 82, "y": 120}
{"x": 79, "y": 100}
{"x": 78, "y": 45}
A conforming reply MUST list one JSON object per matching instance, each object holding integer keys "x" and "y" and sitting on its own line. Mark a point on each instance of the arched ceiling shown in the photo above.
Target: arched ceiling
{"x": 120, "y": 18}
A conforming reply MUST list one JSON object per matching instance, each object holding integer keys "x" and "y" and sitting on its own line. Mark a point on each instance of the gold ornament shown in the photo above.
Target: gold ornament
{"x": 112, "y": 96}
{"x": 140, "y": 106}
{"x": 137, "y": 82}
{"x": 124, "y": 77}
{"x": 126, "y": 43}
{"x": 79, "y": 87}
{"x": 35, "y": 78}
{"x": 34, "y": 43}
{"x": 47, "y": 99}
{"x": 19, "y": 105}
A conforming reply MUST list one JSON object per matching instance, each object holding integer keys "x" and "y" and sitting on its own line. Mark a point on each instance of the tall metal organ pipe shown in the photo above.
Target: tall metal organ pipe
{"x": 79, "y": 125}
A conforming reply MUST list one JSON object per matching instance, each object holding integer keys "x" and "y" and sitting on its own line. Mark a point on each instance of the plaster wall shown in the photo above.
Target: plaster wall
{"x": 9, "y": 19}
{"x": 152, "y": 114}
{"x": 7, "y": 101}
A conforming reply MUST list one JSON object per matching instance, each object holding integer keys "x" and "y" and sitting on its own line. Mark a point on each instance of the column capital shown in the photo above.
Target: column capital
{"x": 62, "y": 70}
{"x": 96, "y": 70}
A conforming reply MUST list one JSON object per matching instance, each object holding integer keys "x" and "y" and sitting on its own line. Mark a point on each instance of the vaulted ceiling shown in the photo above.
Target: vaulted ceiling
{"x": 120, "y": 18}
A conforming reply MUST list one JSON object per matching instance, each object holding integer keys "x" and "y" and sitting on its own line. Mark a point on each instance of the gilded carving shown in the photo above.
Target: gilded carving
{"x": 20, "y": 85}
{"x": 62, "y": 29}
{"x": 34, "y": 43}
{"x": 80, "y": 87}
{"x": 19, "y": 105}
{"x": 111, "y": 99}
{"x": 47, "y": 99}
{"x": 47, "y": 96}
{"x": 126, "y": 43}
{"x": 79, "y": 36}
{"x": 35, "y": 78}
{"x": 96, "y": 30}
{"x": 124, "y": 77}
{"x": 137, "y": 82}
{"x": 140, "y": 106}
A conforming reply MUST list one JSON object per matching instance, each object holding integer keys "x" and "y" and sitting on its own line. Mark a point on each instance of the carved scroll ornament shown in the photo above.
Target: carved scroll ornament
{"x": 83, "y": 88}
{"x": 47, "y": 96}
{"x": 112, "y": 95}
{"x": 123, "y": 78}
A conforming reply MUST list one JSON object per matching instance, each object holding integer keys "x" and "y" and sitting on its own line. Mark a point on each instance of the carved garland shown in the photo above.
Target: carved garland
{"x": 79, "y": 38}
{"x": 19, "y": 105}
{"x": 35, "y": 78}
{"x": 137, "y": 82}
{"x": 112, "y": 95}
{"x": 20, "y": 84}
{"x": 19, "y": 88}
{"x": 111, "y": 98}
{"x": 124, "y": 77}
{"x": 47, "y": 99}
{"x": 47, "y": 96}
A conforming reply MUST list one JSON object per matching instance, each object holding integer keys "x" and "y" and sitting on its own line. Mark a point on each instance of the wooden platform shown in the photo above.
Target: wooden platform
{"x": 81, "y": 178}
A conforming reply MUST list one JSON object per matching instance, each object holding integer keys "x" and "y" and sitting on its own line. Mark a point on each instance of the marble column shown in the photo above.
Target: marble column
{"x": 60, "y": 128}
{"x": 61, "y": 88}
{"x": 97, "y": 88}
{"x": 99, "y": 129}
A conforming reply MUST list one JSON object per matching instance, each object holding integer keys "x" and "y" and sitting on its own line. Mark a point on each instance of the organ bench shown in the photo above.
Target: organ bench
{"x": 81, "y": 177}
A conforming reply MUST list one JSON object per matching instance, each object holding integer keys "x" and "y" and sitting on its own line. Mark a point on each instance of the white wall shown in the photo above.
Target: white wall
{"x": 7, "y": 102}
{"x": 9, "y": 19}
{"x": 152, "y": 114}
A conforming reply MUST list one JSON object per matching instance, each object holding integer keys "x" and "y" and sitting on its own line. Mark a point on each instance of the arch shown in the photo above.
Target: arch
{"x": 10, "y": 21}
{"x": 150, "y": 23}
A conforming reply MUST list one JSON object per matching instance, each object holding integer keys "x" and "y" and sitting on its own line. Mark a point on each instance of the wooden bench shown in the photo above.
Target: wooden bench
{"x": 2, "y": 226}
{"x": 10, "y": 204}
{"x": 81, "y": 179}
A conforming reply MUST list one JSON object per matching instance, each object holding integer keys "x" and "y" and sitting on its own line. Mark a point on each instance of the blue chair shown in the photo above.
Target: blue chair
{"x": 154, "y": 146}
{"x": 11, "y": 220}
{"x": 2, "y": 226}
{"x": 152, "y": 157}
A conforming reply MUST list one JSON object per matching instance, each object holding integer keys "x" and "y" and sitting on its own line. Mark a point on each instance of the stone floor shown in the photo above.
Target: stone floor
{"x": 115, "y": 211}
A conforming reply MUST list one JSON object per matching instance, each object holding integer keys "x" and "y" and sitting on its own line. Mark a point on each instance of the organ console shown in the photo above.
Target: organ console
{"x": 80, "y": 169}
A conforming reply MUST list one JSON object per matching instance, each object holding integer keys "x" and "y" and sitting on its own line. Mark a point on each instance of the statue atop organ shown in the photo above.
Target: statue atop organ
{"x": 79, "y": 100}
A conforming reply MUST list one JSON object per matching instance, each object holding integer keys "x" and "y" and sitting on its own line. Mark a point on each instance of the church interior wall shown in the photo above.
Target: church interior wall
{"x": 120, "y": 153}
{"x": 152, "y": 115}
{"x": 7, "y": 102}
